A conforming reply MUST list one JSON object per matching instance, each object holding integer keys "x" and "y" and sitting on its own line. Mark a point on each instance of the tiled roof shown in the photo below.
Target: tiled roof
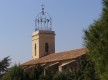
{"x": 62, "y": 56}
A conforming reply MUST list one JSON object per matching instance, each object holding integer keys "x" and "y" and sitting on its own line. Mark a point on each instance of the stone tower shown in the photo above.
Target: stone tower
{"x": 43, "y": 39}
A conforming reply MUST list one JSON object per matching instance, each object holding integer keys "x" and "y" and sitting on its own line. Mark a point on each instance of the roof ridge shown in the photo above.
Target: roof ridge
{"x": 69, "y": 50}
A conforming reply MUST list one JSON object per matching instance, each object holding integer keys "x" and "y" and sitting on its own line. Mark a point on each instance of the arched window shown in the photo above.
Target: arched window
{"x": 35, "y": 49}
{"x": 46, "y": 47}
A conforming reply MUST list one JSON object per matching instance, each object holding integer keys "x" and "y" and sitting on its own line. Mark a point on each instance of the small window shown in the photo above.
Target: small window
{"x": 35, "y": 49}
{"x": 46, "y": 47}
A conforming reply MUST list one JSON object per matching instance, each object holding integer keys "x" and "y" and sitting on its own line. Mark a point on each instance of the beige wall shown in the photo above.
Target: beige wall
{"x": 40, "y": 38}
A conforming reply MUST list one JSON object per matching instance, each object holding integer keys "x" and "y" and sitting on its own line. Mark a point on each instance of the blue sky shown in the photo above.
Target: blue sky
{"x": 70, "y": 18}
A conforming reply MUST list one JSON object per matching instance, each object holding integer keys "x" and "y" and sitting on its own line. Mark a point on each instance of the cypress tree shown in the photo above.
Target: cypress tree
{"x": 86, "y": 70}
{"x": 96, "y": 41}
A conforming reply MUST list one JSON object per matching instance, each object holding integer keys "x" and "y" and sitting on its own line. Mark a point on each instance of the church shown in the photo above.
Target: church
{"x": 43, "y": 48}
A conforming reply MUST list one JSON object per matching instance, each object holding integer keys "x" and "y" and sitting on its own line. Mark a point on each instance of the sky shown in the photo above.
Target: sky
{"x": 70, "y": 19}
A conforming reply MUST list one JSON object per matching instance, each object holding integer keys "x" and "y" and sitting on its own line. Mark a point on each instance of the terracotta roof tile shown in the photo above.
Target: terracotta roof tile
{"x": 72, "y": 54}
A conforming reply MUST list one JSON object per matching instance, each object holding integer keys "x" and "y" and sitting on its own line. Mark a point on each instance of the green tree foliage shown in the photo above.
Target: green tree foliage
{"x": 18, "y": 73}
{"x": 48, "y": 75}
{"x": 96, "y": 41}
{"x": 42, "y": 77}
{"x": 15, "y": 73}
{"x": 86, "y": 70}
{"x": 4, "y": 64}
{"x": 36, "y": 72}
{"x": 65, "y": 75}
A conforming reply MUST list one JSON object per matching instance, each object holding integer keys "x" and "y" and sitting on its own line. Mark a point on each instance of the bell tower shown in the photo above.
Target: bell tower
{"x": 43, "y": 38}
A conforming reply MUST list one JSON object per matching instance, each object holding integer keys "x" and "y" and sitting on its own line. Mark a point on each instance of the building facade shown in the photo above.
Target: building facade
{"x": 43, "y": 48}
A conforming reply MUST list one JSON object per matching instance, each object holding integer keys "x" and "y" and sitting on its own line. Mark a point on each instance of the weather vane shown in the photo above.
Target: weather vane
{"x": 43, "y": 6}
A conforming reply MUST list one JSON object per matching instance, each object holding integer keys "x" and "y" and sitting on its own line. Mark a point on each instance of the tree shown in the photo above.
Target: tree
{"x": 65, "y": 75}
{"x": 4, "y": 64}
{"x": 48, "y": 74}
{"x": 86, "y": 69}
{"x": 36, "y": 72}
{"x": 15, "y": 73}
{"x": 96, "y": 41}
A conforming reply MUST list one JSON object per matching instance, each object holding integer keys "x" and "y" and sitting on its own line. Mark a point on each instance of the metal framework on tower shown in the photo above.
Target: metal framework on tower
{"x": 43, "y": 21}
